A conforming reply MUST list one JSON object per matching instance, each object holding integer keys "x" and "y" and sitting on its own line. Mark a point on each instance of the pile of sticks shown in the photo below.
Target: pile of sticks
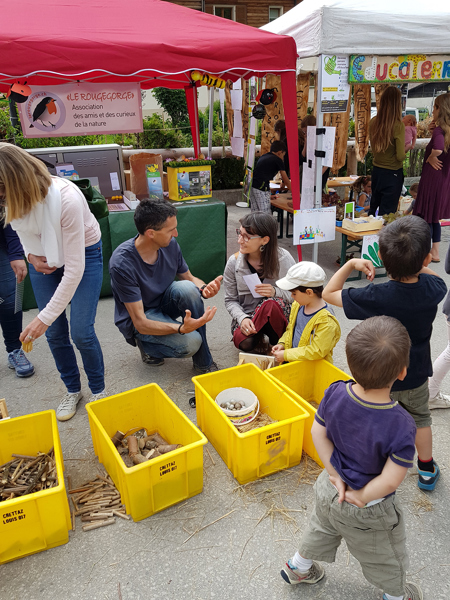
{"x": 25, "y": 474}
{"x": 97, "y": 502}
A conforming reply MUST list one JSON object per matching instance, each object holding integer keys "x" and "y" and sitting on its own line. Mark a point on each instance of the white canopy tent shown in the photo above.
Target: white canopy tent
{"x": 383, "y": 27}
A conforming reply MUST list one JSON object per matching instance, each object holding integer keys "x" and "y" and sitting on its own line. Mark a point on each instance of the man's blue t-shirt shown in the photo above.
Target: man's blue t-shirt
{"x": 414, "y": 305}
{"x": 365, "y": 434}
{"x": 132, "y": 279}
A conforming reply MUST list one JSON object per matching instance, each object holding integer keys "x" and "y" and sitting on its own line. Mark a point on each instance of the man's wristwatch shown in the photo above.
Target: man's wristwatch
{"x": 201, "y": 291}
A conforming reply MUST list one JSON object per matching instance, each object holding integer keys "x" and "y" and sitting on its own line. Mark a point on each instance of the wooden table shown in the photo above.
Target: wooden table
{"x": 352, "y": 240}
{"x": 335, "y": 182}
{"x": 281, "y": 203}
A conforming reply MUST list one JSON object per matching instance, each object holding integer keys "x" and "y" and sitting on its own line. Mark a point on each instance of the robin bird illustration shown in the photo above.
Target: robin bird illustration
{"x": 44, "y": 111}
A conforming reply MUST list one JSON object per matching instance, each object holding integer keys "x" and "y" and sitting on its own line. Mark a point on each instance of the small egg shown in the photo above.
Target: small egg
{"x": 223, "y": 405}
{"x": 238, "y": 406}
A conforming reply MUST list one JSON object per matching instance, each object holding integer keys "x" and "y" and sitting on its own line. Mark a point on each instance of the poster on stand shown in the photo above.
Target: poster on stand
{"x": 81, "y": 109}
{"x": 370, "y": 249}
{"x": 314, "y": 225}
{"x": 334, "y": 93}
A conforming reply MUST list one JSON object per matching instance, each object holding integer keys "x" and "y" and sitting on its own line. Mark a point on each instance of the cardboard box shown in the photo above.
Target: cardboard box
{"x": 139, "y": 182}
{"x": 363, "y": 224}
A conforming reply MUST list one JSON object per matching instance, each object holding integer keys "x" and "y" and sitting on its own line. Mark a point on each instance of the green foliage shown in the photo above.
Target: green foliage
{"x": 174, "y": 103}
{"x": 227, "y": 173}
{"x": 6, "y": 129}
{"x": 351, "y": 128}
{"x": 55, "y": 142}
{"x": 365, "y": 168}
{"x": 190, "y": 163}
{"x": 161, "y": 134}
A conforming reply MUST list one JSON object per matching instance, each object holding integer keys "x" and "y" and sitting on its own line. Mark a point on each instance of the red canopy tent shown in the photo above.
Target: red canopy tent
{"x": 151, "y": 42}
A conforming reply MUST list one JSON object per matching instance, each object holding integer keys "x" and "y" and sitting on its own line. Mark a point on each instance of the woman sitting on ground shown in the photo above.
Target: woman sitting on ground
{"x": 253, "y": 318}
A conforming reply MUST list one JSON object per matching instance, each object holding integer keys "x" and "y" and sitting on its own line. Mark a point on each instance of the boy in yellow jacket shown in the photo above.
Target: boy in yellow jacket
{"x": 313, "y": 330}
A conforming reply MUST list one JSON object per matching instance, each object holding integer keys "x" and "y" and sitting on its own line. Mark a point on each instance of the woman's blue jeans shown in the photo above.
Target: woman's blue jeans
{"x": 178, "y": 297}
{"x": 83, "y": 308}
{"x": 11, "y": 323}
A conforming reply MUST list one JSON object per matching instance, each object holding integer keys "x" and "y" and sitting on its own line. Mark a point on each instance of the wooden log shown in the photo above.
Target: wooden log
{"x": 117, "y": 438}
{"x": 121, "y": 515}
{"x": 164, "y": 449}
{"x": 100, "y": 524}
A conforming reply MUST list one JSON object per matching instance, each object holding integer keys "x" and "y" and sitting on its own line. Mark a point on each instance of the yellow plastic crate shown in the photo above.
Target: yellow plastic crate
{"x": 261, "y": 451}
{"x": 305, "y": 381}
{"x": 41, "y": 520}
{"x": 154, "y": 485}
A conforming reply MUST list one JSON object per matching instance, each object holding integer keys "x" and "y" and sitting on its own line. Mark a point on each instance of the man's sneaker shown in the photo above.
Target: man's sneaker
{"x": 18, "y": 361}
{"x": 98, "y": 396}
{"x": 293, "y": 576}
{"x": 427, "y": 480}
{"x": 146, "y": 358}
{"x": 68, "y": 406}
{"x": 412, "y": 592}
{"x": 439, "y": 401}
{"x": 203, "y": 370}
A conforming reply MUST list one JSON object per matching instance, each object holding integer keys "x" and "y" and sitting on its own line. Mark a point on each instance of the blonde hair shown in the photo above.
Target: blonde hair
{"x": 389, "y": 112}
{"x": 409, "y": 120}
{"x": 443, "y": 120}
{"x": 24, "y": 180}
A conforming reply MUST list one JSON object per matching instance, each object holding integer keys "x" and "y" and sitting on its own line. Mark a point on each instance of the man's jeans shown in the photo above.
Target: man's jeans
{"x": 11, "y": 323}
{"x": 83, "y": 308}
{"x": 178, "y": 297}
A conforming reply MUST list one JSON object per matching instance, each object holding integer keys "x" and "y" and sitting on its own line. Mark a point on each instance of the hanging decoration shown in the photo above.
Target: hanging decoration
{"x": 267, "y": 96}
{"x": 208, "y": 79}
{"x": 259, "y": 111}
{"x": 19, "y": 92}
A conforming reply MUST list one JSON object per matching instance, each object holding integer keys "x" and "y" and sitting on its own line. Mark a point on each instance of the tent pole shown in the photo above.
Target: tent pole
{"x": 192, "y": 104}
{"x": 211, "y": 120}
{"x": 289, "y": 91}
{"x": 319, "y": 144}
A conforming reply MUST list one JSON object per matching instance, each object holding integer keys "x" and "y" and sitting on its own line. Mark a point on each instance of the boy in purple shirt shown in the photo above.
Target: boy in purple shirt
{"x": 411, "y": 295}
{"x": 366, "y": 442}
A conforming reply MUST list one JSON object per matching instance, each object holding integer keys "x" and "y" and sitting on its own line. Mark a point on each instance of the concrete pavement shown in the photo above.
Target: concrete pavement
{"x": 239, "y": 556}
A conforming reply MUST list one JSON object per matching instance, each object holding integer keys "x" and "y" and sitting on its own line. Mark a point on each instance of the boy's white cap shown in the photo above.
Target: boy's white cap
{"x": 305, "y": 274}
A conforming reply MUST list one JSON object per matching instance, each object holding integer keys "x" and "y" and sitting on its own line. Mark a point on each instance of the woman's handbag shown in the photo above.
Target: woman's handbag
{"x": 96, "y": 201}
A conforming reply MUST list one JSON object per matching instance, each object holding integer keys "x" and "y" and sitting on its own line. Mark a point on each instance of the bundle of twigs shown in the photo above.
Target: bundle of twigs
{"x": 25, "y": 474}
{"x": 97, "y": 502}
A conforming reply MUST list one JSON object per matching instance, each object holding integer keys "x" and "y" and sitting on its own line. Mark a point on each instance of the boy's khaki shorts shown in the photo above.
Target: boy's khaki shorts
{"x": 375, "y": 536}
{"x": 415, "y": 401}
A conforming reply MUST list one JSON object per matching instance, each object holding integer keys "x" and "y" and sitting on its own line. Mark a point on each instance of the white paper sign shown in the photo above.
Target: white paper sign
{"x": 237, "y": 146}
{"x": 370, "y": 250}
{"x": 237, "y": 131}
{"x": 252, "y": 281}
{"x": 328, "y": 146}
{"x": 314, "y": 225}
{"x": 335, "y": 87}
{"x": 310, "y": 143}
{"x": 236, "y": 99}
{"x": 237, "y": 85}
{"x": 222, "y": 104}
{"x": 308, "y": 183}
{"x": 251, "y": 154}
{"x": 252, "y": 129}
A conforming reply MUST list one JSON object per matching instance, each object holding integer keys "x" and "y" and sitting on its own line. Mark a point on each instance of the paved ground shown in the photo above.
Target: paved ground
{"x": 238, "y": 557}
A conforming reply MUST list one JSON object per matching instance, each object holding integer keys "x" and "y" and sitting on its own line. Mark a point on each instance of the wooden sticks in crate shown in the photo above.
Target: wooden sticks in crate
{"x": 97, "y": 502}
{"x": 25, "y": 474}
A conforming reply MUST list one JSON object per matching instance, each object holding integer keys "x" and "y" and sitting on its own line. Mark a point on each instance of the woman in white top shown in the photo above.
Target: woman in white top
{"x": 62, "y": 243}
{"x": 259, "y": 254}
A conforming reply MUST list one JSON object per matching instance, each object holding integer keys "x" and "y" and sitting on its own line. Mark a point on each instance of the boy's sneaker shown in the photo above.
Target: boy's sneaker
{"x": 412, "y": 592}
{"x": 293, "y": 576}
{"x": 98, "y": 396}
{"x": 18, "y": 361}
{"x": 439, "y": 401}
{"x": 68, "y": 406}
{"x": 427, "y": 480}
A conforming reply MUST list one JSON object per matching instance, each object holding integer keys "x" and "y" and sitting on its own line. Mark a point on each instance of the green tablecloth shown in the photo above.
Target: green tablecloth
{"x": 202, "y": 235}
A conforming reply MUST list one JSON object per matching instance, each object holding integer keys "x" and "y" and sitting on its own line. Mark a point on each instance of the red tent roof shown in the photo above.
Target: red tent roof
{"x": 136, "y": 40}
